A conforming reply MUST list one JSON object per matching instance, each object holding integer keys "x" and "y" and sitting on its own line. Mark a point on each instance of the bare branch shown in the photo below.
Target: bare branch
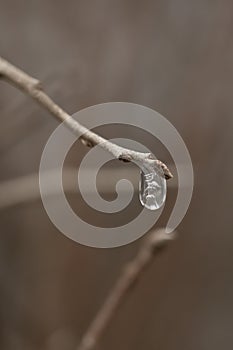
{"x": 33, "y": 88}
{"x": 152, "y": 246}
{"x": 25, "y": 188}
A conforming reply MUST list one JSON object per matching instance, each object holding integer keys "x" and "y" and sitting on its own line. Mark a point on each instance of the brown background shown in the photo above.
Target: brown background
{"x": 175, "y": 57}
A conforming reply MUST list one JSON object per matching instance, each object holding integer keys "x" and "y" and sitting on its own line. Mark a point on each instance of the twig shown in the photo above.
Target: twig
{"x": 33, "y": 88}
{"x": 152, "y": 246}
{"x": 25, "y": 188}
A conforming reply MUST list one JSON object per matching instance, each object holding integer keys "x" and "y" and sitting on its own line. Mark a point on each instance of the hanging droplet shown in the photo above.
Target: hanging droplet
{"x": 152, "y": 187}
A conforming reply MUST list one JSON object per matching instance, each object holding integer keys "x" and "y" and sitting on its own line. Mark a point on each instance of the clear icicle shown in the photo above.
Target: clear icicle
{"x": 152, "y": 187}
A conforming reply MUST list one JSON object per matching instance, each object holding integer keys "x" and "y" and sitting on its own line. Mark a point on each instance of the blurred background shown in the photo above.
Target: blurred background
{"x": 174, "y": 57}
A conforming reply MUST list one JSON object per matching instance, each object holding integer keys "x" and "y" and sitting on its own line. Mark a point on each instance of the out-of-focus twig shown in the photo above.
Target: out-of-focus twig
{"x": 33, "y": 88}
{"x": 25, "y": 188}
{"x": 150, "y": 249}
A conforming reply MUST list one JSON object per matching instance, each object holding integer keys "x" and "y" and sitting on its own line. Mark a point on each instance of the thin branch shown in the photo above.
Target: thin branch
{"x": 33, "y": 88}
{"x": 25, "y": 188}
{"x": 152, "y": 246}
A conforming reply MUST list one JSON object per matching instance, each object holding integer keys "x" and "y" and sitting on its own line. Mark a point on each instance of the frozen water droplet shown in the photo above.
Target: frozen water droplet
{"x": 152, "y": 187}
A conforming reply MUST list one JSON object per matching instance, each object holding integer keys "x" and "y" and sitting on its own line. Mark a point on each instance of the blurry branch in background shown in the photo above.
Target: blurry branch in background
{"x": 33, "y": 88}
{"x": 152, "y": 246}
{"x": 25, "y": 188}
